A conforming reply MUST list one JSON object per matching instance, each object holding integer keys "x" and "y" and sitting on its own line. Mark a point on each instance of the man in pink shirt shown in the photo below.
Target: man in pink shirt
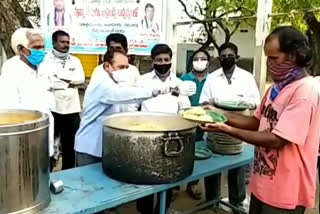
{"x": 284, "y": 129}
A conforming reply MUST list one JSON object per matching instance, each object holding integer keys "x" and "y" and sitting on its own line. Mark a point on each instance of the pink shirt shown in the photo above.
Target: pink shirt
{"x": 286, "y": 177}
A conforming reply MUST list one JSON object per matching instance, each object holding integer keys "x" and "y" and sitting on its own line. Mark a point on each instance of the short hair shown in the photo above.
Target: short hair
{"x": 200, "y": 51}
{"x": 22, "y": 37}
{"x": 161, "y": 49}
{"x": 230, "y": 46}
{"x": 148, "y": 6}
{"x": 190, "y": 60}
{"x": 58, "y": 33}
{"x": 118, "y": 38}
{"x": 292, "y": 41}
{"x": 109, "y": 55}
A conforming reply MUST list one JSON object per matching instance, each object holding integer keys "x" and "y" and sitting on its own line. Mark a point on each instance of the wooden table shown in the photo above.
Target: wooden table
{"x": 89, "y": 190}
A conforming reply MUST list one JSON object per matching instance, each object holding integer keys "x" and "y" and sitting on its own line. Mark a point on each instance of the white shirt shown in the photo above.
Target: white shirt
{"x": 22, "y": 88}
{"x": 52, "y": 68}
{"x": 165, "y": 103}
{"x": 102, "y": 98}
{"x": 133, "y": 82}
{"x": 243, "y": 87}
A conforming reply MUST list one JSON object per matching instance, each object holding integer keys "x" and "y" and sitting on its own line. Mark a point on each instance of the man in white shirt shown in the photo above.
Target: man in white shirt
{"x": 229, "y": 83}
{"x": 118, "y": 41}
{"x": 161, "y": 55}
{"x": 20, "y": 86}
{"x": 65, "y": 73}
{"x": 161, "y": 75}
{"x": 102, "y": 98}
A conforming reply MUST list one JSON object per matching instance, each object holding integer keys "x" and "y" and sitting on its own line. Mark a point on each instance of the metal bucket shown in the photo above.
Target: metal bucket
{"x": 24, "y": 161}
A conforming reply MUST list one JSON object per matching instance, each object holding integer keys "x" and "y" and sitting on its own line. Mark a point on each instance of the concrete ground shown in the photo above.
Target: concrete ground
{"x": 184, "y": 202}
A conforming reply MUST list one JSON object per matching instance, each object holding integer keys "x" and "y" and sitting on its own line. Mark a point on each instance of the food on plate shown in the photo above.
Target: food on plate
{"x": 197, "y": 114}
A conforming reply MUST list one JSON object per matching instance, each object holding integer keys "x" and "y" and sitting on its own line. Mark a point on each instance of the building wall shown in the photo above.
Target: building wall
{"x": 244, "y": 38}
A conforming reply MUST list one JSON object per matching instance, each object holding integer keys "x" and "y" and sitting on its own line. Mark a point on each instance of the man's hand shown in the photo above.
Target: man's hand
{"x": 215, "y": 127}
{"x": 187, "y": 88}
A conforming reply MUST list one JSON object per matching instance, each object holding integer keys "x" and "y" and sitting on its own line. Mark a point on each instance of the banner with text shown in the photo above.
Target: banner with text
{"x": 89, "y": 22}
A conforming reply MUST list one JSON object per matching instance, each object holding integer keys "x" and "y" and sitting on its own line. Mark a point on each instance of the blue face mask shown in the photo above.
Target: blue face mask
{"x": 36, "y": 57}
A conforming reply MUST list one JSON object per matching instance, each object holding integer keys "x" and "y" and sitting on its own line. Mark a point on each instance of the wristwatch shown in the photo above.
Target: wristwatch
{"x": 175, "y": 91}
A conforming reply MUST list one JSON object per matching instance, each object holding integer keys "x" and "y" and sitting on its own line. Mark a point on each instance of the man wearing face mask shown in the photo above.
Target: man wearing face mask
{"x": 129, "y": 76}
{"x": 161, "y": 55}
{"x": 284, "y": 129}
{"x": 229, "y": 83}
{"x": 200, "y": 62}
{"x": 20, "y": 86}
{"x": 118, "y": 41}
{"x": 169, "y": 102}
{"x": 102, "y": 98}
{"x": 65, "y": 73}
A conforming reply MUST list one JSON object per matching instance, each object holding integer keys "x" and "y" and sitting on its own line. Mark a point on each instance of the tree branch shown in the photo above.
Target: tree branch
{"x": 200, "y": 9}
{"x": 235, "y": 29}
{"x": 185, "y": 9}
{"x": 225, "y": 29}
{"x": 27, "y": 6}
{"x": 252, "y": 12}
{"x": 231, "y": 11}
{"x": 251, "y": 25}
{"x": 312, "y": 22}
{"x": 210, "y": 38}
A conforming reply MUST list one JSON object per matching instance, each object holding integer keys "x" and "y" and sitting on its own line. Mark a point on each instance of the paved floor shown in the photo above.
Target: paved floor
{"x": 184, "y": 202}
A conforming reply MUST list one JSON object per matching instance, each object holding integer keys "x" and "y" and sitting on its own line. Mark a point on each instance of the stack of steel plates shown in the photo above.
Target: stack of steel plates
{"x": 224, "y": 144}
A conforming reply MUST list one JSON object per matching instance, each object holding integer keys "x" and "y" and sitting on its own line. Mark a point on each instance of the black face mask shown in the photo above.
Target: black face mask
{"x": 162, "y": 69}
{"x": 227, "y": 63}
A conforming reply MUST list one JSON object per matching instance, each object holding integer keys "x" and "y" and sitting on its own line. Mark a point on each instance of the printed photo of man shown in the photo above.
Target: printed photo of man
{"x": 59, "y": 17}
{"x": 148, "y": 22}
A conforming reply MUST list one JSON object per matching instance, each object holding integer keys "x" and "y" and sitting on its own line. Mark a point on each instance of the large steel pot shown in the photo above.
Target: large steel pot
{"x": 24, "y": 162}
{"x": 148, "y": 156}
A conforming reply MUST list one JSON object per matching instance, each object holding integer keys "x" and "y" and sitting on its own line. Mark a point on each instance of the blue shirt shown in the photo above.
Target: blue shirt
{"x": 194, "y": 99}
{"x": 101, "y": 99}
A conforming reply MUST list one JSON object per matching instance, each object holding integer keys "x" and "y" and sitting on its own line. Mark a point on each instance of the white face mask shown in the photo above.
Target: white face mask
{"x": 200, "y": 65}
{"x": 124, "y": 77}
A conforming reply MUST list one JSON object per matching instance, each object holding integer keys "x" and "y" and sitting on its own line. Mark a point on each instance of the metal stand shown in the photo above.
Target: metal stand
{"x": 163, "y": 196}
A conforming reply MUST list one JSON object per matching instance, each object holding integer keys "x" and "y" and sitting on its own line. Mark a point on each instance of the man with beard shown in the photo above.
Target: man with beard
{"x": 65, "y": 73}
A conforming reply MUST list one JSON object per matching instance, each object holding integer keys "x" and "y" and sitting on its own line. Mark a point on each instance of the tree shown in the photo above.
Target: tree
{"x": 306, "y": 21}
{"x": 14, "y": 14}
{"x": 220, "y": 13}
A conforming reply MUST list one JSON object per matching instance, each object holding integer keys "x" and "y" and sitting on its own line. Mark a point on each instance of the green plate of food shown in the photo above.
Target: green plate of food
{"x": 201, "y": 115}
{"x": 234, "y": 105}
